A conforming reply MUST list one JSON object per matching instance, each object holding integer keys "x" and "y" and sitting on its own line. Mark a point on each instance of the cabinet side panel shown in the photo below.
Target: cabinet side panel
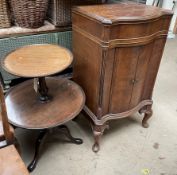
{"x": 125, "y": 63}
{"x": 154, "y": 63}
{"x": 107, "y": 77}
{"x": 86, "y": 68}
{"x": 90, "y": 26}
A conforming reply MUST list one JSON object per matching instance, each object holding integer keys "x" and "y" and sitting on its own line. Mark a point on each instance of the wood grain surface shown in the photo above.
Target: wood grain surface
{"x": 37, "y": 60}
{"x": 26, "y": 111}
{"x": 11, "y": 162}
{"x": 2, "y": 135}
{"x": 117, "y": 52}
{"x": 6, "y": 131}
{"x": 114, "y": 13}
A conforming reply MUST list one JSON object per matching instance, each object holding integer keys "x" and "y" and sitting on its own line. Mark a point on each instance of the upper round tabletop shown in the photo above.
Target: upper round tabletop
{"x": 37, "y": 60}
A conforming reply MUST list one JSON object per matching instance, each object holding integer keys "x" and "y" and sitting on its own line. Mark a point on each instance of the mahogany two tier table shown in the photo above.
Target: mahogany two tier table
{"x": 43, "y": 103}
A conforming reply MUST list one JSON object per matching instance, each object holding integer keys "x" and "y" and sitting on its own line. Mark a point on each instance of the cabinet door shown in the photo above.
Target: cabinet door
{"x": 124, "y": 71}
{"x": 141, "y": 74}
{"x": 129, "y": 74}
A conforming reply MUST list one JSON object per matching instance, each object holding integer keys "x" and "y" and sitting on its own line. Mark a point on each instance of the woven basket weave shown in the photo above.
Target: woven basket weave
{"x": 4, "y": 14}
{"x": 29, "y": 13}
{"x": 59, "y": 12}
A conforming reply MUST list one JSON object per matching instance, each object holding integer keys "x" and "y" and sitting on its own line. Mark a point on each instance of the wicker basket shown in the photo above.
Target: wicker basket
{"x": 29, "y": 13}
{"x": 59, "y": 12}
{"x": 4, "y": 14}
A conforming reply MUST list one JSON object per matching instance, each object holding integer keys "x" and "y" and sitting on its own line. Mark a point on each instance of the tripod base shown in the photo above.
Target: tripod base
{"x": 43, "y": 133}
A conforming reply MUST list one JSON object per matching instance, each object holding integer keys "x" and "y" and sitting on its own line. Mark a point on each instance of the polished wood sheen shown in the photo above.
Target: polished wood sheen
{"x": 42, "y": 104}
{"x": 6, "y": 131}
{"x": 112, "y": 14}
{"x": 11, "y": 162}
{"x": 117, "y": 50}
{"x": 37, "y": 60}
{"x": 2, "y": 135}
{"x": 26, "y": 111}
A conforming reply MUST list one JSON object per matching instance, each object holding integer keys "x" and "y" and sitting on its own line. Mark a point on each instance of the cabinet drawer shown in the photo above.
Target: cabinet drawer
{"x": 139, "y": 29}
{"x": 9, "y": 44}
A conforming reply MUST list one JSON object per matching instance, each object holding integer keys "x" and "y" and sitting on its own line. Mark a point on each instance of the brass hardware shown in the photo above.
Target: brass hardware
{"x": 134, "y": 81}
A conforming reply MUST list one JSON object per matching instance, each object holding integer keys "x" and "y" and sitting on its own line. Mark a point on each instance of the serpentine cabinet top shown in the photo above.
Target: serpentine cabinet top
{"x": 114, "y": 13}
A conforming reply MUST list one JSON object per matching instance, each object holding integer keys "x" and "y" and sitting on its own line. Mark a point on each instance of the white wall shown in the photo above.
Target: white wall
{"x": 149, "y": 2}
{"x": 167, "y": 4}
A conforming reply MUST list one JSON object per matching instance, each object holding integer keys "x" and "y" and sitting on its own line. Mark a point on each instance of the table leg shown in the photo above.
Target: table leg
{"x": 39, "y": 140}
{"x": 43, "y": 90}
{"x": 64, "y": 129}
{"x": 2, "y": 81}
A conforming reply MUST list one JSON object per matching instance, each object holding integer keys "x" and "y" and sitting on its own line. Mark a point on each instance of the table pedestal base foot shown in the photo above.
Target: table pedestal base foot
{"x": 64, "y": 129}
{"x": 39, "y": 140}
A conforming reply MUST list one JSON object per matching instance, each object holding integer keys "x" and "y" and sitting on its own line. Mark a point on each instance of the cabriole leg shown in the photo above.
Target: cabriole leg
{"x": 148, "y": 115}
{"x": 39, "y": 141}
{"x": 65, "y": 130}
{"x": 98, "y": 131}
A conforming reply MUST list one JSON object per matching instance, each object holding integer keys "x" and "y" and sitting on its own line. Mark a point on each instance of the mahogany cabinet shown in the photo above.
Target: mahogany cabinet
{"x": 117, "y": 50}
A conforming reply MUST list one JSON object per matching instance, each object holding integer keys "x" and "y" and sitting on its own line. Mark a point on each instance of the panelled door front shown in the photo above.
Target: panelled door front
{"x": 129, "y": 74}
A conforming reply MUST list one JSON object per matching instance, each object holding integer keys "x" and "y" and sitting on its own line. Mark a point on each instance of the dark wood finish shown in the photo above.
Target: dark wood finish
{"x": 2, "y": 135}
{"x": 39, "y": 141}
{"x": 117, "y": 50}
{"x": 37, "y": 60}
{"x": 42, "y": 90}
{"x": 1, "y": 81}
{"x": 43, "y": 134}
{"x": 11, "y": 162}
{"x": 28, "y": 112}
{"x": 45, "y": 103}
{"x": 6, "y": 131}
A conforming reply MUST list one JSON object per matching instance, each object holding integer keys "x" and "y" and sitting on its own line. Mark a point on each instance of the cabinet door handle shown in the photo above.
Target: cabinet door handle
{"x": 134, "y": 81}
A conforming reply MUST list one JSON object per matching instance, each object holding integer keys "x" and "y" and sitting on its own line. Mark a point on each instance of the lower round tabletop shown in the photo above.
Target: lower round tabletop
{"x": 25, "y": 110}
